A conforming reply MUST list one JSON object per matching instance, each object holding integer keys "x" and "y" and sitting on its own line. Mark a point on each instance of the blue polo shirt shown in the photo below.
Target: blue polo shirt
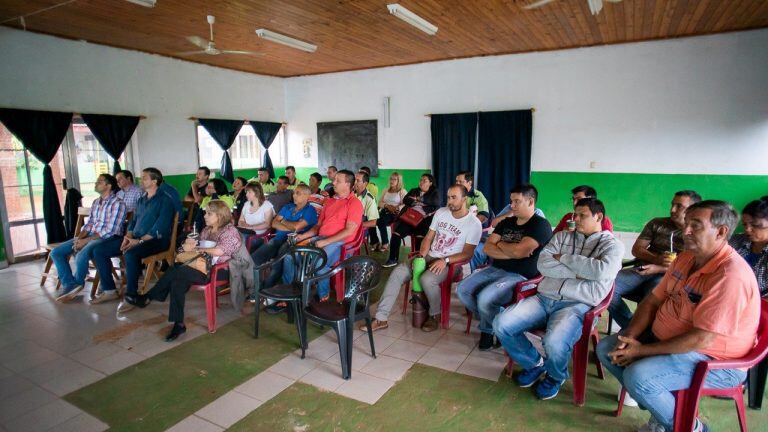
{"x": 290, "y": 214}
{"x": 153, "y": 216}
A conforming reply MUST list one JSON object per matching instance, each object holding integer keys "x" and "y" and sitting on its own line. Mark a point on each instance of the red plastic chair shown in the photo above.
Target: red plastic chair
{"x": 250, "y": 239}
{"x": 212, "y": 295}
{"x": 455, "y": 274}
{"x": 687, "y": 401}
{"x": 520, "y": 287}
{"x": 580, "y": 353}
{"x": 349, "y": 249}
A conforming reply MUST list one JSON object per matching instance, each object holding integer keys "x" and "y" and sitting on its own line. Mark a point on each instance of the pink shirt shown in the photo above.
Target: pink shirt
{"x": 337, "y": 212}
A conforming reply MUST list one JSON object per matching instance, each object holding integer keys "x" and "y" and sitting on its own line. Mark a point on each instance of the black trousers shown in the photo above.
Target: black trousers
{"x": 402, "y": 230}
{"x": 176, "y": 282}
{"x": 385, "y": 218}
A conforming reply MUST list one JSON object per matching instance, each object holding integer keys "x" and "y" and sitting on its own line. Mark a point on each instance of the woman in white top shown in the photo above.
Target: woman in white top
{"x": 257, "y": 211}
{"x": 390, "y": 204}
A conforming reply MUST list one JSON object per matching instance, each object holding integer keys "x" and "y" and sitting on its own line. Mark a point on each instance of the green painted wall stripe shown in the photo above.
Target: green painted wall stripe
{"x": 633, "y": 199}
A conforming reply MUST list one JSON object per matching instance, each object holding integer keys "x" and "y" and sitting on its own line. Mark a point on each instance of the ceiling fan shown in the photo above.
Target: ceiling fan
{"x": 208, "y": 46}
{"x": 595, "y": 6}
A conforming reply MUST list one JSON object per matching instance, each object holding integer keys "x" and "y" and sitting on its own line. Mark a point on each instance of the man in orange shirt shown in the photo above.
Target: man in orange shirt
{"x": 337, "y": 224}
{"x": 707, "y": 306}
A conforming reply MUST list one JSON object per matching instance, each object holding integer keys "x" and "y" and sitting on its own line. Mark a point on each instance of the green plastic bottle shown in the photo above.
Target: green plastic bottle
{"x": 419, "y": 265}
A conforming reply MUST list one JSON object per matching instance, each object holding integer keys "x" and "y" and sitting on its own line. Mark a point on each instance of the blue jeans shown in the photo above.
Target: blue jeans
{"x": 485, "y": 292}
{"x": 563, "y": 320}
{"x": 651, "y": 380}
{"x": 102, "y": 259}
{"x": 479, "y": 258}
{"x": 333, "y": 251}
{"x": 60, "y": 256}
{"x": 633, "y": 285}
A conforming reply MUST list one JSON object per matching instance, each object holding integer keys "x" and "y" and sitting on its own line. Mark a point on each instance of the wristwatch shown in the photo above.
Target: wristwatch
{"x": 447, "y": 260}
{"x": 141, "y": 241}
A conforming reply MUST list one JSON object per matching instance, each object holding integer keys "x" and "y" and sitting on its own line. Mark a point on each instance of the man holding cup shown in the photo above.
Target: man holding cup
{"x": 568, "y": 221}
{"x": 655, "y": 249}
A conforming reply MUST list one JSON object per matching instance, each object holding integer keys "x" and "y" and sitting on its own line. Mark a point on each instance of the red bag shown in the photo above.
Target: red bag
{"x": 412, "y": 217}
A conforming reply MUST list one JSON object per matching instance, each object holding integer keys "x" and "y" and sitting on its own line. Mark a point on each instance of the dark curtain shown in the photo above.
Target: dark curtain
{"x": 267, "y": 132}
{"x": 454, "y": 137}
{"x": 224, "y": 133}
{"x": 42, "y": 132}
{"x": 504, "y": 154}
{"x": 113, "y": 133}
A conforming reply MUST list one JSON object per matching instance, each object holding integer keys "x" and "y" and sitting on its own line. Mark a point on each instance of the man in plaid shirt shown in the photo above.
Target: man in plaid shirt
{"x": 105, "y": 224}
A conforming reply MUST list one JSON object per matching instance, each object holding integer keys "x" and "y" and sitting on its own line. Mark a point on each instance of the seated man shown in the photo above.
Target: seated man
{"x": 149, "y": 232}
{"x": 290, "y": 173}
{"x": 196, "y": 190}
{"x": 338, "y": 223}
{"x": 655, "y": 253}
{"x": 707, "y": 306}
{"x": 581, "y": 192}
{"x": 370, "y": 207}
{"x": 372, "y": 188}
{"x": 129, "y": 192}
{"x": 317, "y": 196}
{"x": 295, "y": 217}
{"x": 452, "y": 236}
{"x": 282, "y": 195}
{"x": 331, "y": 172}
{"x": 267, "y": 185}
{"x": 578, "y": 268}
{"x": 104, "y": 228}
{"x": 474, "y": 196}
{"x": 480, "y": 258}
{"x": 514, "y": 246}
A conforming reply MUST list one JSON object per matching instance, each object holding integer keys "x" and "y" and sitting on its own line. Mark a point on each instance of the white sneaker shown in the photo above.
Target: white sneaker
{"x": 652, "y": 426}
{"x": 105, "y": 296}
{"x": 124, "y": 306}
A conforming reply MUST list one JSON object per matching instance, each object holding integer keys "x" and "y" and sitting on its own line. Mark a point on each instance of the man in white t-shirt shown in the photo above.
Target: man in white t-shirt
{"x": 452, "y": 236}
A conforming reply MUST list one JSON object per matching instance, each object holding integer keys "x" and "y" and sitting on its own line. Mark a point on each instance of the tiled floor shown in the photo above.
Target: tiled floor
{"x": 398, "y": 348}
{"x": 50, "y": 349}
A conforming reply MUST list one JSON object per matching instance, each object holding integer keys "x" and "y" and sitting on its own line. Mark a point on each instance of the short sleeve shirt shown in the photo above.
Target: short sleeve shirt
{"x": 536, "y": 228}
{"x": 337, "y": 212}
{"x": 721, "y": 297}
{"x": 658, "y": 231}
{"x": 290, "y": 214}
{"x": 370, "y": 208}
{"x": 452, "y": 234}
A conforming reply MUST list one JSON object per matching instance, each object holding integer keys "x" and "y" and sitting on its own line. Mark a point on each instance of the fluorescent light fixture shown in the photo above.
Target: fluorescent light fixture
{"x": 412, "y": 19}
{"x": 285, "y": 40}
{"x": 145, "y": 3}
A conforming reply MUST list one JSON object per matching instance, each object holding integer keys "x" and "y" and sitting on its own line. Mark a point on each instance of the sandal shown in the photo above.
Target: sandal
{"x": 375, "y": 325}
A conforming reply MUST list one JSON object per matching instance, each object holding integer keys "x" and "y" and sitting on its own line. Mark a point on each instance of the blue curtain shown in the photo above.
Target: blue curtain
{"x": 267, "y": 132}
{"x": 113, "y": 133}
{"x": 454, "y": 137}
{"x": 224, "y": 133}
{"x": 504, "y": 154}
{"x": 42, "y": 132}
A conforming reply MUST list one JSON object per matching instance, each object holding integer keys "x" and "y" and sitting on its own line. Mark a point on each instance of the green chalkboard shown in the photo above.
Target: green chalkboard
{"x": 349, "y": 145}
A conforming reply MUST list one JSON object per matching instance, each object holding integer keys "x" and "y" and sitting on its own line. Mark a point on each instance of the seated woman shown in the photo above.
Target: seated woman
{"x": 390, "y": 204}
{"x": 215, "y": 190}
{"x": 752, "y": 245}
{"x": 257, "y": 215}
{"x": 179, "y": 278}
{"x": 238, "y": 196}
{"x": 425, "y": 199}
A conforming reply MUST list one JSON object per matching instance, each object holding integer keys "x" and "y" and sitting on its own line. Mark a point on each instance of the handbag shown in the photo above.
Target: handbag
{"x": 412, "y": 217}
{"x": 199, "y": 261}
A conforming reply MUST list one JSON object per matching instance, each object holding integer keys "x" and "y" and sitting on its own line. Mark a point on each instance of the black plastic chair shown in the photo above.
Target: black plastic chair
{"x": 361, "y": 275}
{"x": 306, "y": 261}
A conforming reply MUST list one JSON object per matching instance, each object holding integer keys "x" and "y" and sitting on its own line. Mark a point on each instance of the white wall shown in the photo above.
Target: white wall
{"x": 693, "y": 105}
{"x": 42, "y": 72}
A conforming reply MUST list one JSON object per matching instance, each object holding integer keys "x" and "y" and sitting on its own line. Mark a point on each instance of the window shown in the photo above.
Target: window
{"x": 246, "y": 152}
{"x": 92, "y": 160}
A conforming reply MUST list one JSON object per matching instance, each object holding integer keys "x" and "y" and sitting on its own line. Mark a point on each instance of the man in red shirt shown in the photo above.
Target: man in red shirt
{"x": 339, "y": 220}
{"x": 578, "y": 193}
{"x": 707, "y": 306}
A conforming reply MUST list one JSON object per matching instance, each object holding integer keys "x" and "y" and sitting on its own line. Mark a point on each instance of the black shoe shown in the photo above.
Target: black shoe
{"x": 390, "y": 263}
{"x": 177, "y": 330}
{"x": 486, "y": 342}
{"x": 139, "y": 300}
{"x": 274, "y": 309}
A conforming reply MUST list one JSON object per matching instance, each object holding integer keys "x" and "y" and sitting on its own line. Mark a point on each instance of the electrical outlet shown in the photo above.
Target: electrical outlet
{"x": 592, "y": 164}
